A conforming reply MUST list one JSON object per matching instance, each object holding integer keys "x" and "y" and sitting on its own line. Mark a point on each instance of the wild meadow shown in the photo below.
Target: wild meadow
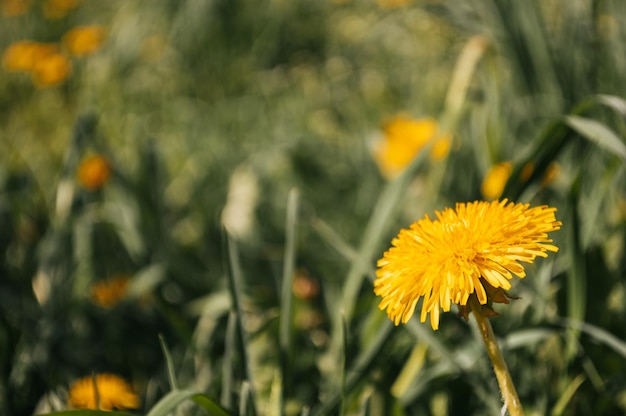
{"x": 329, "y": 207}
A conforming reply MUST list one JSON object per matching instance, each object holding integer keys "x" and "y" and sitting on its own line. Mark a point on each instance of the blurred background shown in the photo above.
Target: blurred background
{"x": 225, "y": 174}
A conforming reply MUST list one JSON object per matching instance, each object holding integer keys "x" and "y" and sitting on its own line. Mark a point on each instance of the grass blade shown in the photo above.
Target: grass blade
{"x": 286, "y": 296}
{"x": 170, "y": 365}
{"x": 598, "y": 134}
{"x": 209, "y": 405}
{"x": 576, "y": 276}
{"x": 596, "y": 198}
{"x": 334, "y": 239}
{"x": 599, "y": 334}
{"x": 411, "y": 368}
{"x": 236, "y": 288}
{"x": 616, "y": 103}
{"x": 344, "y": 363}
{"x": 145, "y": 280}
{"x": 545, "y": 150}
{"x": 246, "y": 401}
{"x": 567, "y": 395}
{"x": 525, "y": 337}
{"x": 355, "y": 374}
{"x": 366, "y": 404}
{"x": 227, "y": 365}
{"x": 174, "y": 398}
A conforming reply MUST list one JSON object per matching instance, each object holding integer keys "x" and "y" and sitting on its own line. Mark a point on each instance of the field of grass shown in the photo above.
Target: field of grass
{"x": 194, "y": 196}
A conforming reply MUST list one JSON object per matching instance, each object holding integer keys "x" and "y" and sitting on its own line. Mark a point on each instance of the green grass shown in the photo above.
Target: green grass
{"x": 269, "y": 111}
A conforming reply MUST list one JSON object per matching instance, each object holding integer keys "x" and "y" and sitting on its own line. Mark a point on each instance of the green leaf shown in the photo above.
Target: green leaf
{"x": 599, "y": 134}
{"x": 616, "y": 103}
{"x": 174, "y": 398}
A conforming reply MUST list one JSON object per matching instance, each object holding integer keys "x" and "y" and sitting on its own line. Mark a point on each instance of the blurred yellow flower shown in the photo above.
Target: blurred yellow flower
{"x": 473, "y": 249}
{"x": 23, "y": 55}
{"x": 403, "y": 139}
{"x": 389, "y": 4}
{"x": 552, "y": 172}
{"x": 14, "y": 7}
{"x": 84, "y": 40}
{"x": 304, "y": 286}
{"x": 93, "y": 172}
{"x": 440, "y": 148}
{"x": 527, "y": 171}
{"x": 58, "y": 9}
{"x": 495, "y": 180}
{"x": 113, "y": 392}
{"x": 51, "y": 70}
{"x": 107, "y": 293}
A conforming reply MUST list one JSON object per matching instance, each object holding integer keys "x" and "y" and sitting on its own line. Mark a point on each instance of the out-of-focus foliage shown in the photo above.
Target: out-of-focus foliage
{"x": 148, "y": 148}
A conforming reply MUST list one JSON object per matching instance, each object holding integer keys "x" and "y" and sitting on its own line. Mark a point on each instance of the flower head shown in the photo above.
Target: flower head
{"x": 495, "y": 180}
{"x": 112, "y": 392}
{"x": 84, "y": 40}
{"x": 22, "y": 56}
{"x": 93, "y": 172}
{"x": 108, "y": 293}
{"x": 404, "y": 137}
{"x": 14, "y": 7}
{"x": 473, "y": 249}
{"x": 58, "y": 9}
{"x": 390, "y": 4}
{"x": 51, "y": 70}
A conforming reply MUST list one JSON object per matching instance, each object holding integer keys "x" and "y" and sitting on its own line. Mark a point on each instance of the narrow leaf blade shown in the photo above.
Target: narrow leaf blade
{"x": 599, "y": 134}
{"x": 174, "y": 398}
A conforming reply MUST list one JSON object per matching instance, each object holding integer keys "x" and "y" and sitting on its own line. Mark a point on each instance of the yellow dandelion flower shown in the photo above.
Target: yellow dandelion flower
{"x": 390, "y": 4}
{"x": 23, "y": 55}
{"x": 495, "y": 180}
{"x": 108, "y": 293}
{"x": 112, "y": 392}
{"x": 58, "y": 9}
{"x": 473, "y": 249}
{"x": 93, "y": 172}
{"x": 51, "y": 70}
{"x": 84, "y": 40}
{"x": 403, "y": 139}
{"x": 14, "y": 7}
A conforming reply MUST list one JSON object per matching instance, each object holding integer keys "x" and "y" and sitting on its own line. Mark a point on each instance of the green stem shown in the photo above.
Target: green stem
{"x": 507, "y": 388}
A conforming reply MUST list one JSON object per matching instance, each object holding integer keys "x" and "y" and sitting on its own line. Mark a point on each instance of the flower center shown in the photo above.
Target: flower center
{"x": 465, "y": 254}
